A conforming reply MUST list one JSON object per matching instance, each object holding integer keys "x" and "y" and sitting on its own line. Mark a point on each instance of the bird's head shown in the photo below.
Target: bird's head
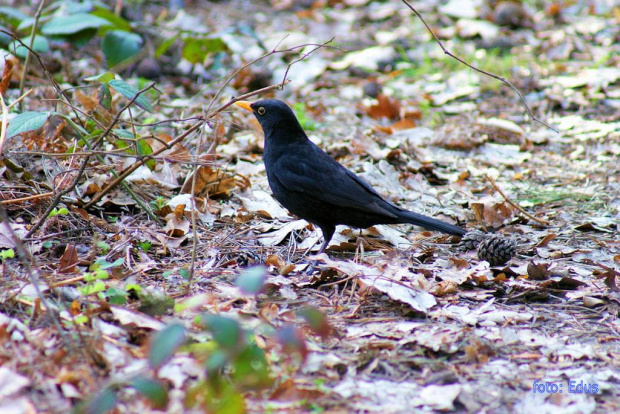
{"x": 276, "y": 118}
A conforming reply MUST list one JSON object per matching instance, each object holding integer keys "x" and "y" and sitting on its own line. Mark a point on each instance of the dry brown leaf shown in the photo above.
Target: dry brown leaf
{"x": 538, "y": 271}
{"x": 446, "y": 287}
{"x": 68, "y": 260}
{"x": 214, "y": 183}
{"x": 386, "y": 107}
{"x": 491, "y": 212}
{"x": 6, "y": 76}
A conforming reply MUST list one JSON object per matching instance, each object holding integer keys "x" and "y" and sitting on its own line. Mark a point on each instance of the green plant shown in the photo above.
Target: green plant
{"x": 93, "y": 278}
{"x": 158, "y": 203}
{"x": 7, "y": 254}
{"x": 301, "y": 113}
{"x": 58, "y": 212}
{"x": 144, "y": 245}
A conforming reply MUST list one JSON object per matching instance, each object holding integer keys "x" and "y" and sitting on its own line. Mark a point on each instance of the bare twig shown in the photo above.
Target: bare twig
{"x": 33, "y": 33}
{"x": 82, "y": 168}
{"x": 499, "y": 78}
{"x": 24, "y": 199}
{"x": 272, "y": 52}
{"x": 509, "y": 201}
{"x": 32, "y": 275}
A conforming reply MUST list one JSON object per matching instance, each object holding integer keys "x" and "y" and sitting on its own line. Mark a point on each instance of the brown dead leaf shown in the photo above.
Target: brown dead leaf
{"x": 68, "y": 260}
{"x": 76, "y": 308}
{"x": 405, "y": 123}
{"x": 492, "y": 213}
{"x": 89, "y": 102}
{"x": 546, "y": 240}
{"x": 386, "y": 107}
{"x": 538, "y": 271}
{"x": 176, "y": 223}
{"x": 289, "y": 391}
{"x": 281, "y": 266}
{"x": 6, "y": 76}
{"x": 610, "y": 281}
{"x": 478, "y": 352}
{"x": 446, "y": 287}
{"x": 214, "y": 183}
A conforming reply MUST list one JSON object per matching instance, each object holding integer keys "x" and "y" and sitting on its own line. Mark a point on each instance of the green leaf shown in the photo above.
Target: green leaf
{"x": 116, "y": 296}
{"x": 252, "y": 279}
{"x": 165, "y": 45}
{"x": 250, "y": 368}
{"x": 195, "y": 49}
{"x": 26, "y": 121}
{"x": 117, "y": 21}
{"x": 226, "y": 331}
{"x": 118, "y": 46}
{"x": 165, "y": 343}
{"x": 184, "y": 273}
{"x": 7, "y": 254}
{"x": 104, "y": 96}
{"x": 12, "y": 15}
{"x": 25, "y": 24}
{"x": 145, "y": 149}
{"x": 67, "y": 25}
{"x": 129, "y": 92}
{"x": 89, "y": 289}
{"x": 40, "y": 45}
{"x": 103, "y": 78}
{"x": 103, "y": 403}
{"x": 153, "y": 390}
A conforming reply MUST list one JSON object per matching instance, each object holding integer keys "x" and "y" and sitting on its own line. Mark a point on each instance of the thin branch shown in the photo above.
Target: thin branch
{"x": 33, "y": 33}
{"x": 512, "y": 203}
{"x": 34, "y": 279}
{"x": 272, "y": 52}
{"x": 499, "y": 78}
{"x": 24, "y": 199}
{"x": 82, "y": 168}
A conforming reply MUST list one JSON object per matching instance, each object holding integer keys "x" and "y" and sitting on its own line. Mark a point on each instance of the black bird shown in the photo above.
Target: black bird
{"x": 314, "y": 186}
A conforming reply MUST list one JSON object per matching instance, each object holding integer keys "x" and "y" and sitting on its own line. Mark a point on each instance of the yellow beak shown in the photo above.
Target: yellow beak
{"x": 245, "y": 105}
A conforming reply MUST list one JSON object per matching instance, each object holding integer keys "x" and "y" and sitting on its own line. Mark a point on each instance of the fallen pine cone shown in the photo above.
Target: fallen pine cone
{"x": 497, "y": 249}
{"x": 472, "y": 239}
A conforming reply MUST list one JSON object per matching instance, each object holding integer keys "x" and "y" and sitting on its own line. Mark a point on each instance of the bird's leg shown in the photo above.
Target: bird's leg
{"x": 323, "y": 246}
{"x": 359, "y": 249}
{"x": 328, "y": 233}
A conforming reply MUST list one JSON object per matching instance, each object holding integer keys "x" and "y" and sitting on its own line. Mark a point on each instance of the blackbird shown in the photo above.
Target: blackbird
{"x": 314, "y": 186}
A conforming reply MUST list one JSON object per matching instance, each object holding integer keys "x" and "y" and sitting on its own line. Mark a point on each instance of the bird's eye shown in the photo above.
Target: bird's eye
{"x": 261, "y": 110}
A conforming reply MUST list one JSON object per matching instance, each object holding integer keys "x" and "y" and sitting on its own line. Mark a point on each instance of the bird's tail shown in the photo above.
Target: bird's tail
{"x": 430, "y": 223}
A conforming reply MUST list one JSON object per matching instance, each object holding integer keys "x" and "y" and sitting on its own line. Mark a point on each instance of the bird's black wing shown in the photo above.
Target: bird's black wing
{"x": 323, "y": 179}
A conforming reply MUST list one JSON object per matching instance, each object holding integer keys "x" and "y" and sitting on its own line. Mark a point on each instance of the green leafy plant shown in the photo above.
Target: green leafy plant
{"x": 58, "y": 212}
{"x": 301, "y": 113}
{"x": 144, "y": 245}
{"x": 94, "y": 278}
{"x": 7, "y": 254}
